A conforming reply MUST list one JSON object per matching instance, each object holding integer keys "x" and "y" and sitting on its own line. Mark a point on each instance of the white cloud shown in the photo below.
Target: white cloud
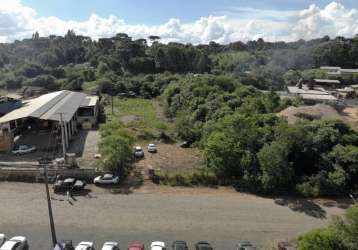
{"x": 18, "y": 21}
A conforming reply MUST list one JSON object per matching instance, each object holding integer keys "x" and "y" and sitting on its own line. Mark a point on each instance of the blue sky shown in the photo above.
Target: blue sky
{"x": 185, "y": 21}
{"x": 159, "y": 11}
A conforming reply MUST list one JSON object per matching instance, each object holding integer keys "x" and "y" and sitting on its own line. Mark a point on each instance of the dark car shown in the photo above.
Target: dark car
{"x": 203, "y": 245}
{"x": 185, "y": 144}
{"x": 245, "y": 245}
{"x": 284, "y": 245}
{"x": 179, "y": 245}
{"x": 66, "y": 245}
{"x": 68, "y": 184}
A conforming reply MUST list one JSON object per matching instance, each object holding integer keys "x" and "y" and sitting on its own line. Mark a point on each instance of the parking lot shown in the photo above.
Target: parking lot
{"x": 220, "y": 216}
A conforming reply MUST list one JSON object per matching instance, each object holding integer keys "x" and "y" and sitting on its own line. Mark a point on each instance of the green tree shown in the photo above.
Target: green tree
{"x": 116, "y": 148}
{"x": 277, "y": 171}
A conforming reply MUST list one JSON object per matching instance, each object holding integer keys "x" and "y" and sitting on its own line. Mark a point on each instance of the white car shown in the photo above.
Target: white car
{"x": 24, "y": 149}
{"x": 2, "y": 239}
{"x": 85, "y": 245}
{"x": 111, "y": 245}
{"x": 152, "y": 148}
{"x": 15, "y": 243}
{"x": 157, "y": 245}
{"x": 106, "y": 179}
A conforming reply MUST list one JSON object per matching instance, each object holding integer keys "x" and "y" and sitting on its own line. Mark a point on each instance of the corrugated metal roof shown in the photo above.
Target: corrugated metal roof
{"x": 297, "y": 90}
{"x": 90, "y": 101}
{"x": 327, "y": 81}
{"x": 318, "y": 97}
{"x": 48, "y": 107}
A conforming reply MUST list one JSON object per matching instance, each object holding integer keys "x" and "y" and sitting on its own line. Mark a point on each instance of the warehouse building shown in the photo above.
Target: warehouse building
{"x": 64, "y": 110}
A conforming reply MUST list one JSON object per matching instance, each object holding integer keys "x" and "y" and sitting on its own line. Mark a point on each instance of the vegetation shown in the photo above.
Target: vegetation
{"x": 341, "y": 234}
{"x": 116, "y": 148}
{"x": 213, "y": 93}
{"x": 140, "y": 116}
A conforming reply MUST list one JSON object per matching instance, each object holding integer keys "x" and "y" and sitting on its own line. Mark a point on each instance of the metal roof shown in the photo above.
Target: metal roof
{"x": 48, "y": 107}
{"x": 297, "y": 90}
{"x": 90, "y": 101}
{"x": 327, "y": 81}
{"x": 318, "y": 97}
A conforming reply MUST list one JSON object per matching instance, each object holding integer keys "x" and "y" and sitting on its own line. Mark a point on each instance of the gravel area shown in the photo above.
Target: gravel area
{"x": 221, "y": 216}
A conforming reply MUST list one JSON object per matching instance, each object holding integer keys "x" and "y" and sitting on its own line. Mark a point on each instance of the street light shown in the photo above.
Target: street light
{"x": 43, "y": 162}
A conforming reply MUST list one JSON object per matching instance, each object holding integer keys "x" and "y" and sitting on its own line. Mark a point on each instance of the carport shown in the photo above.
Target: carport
{"x": 57, "y": 109}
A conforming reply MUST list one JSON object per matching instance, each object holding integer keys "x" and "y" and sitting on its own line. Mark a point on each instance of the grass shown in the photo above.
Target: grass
{"x": 140, "y": 116}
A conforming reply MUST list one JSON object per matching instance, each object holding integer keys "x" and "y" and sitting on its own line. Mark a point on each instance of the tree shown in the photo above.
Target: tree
{"x": 116, "y": 148}
{"x": 277, "y": 172}
{"x": 320, "y": 239}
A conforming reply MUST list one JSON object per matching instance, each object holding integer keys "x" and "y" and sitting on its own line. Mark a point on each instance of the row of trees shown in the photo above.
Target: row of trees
{"x": 258, "y": 63}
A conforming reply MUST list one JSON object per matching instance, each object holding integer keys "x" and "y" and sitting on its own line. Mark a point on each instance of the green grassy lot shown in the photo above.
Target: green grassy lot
{"x": 140, "y": 115}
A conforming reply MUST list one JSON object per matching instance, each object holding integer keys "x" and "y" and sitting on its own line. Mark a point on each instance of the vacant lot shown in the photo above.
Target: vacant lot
{"x": 221, "y": 216}
{"x": 140, "y": 115}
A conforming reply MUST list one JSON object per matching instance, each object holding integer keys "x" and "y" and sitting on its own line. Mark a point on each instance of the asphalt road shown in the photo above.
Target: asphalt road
{"x": 221, "y": 217}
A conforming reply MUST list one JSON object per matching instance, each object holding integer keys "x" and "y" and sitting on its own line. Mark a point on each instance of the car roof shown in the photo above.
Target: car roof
{"x": 138, "y": 147}
{"x": 8, "y": 245}
{"x": 158, "y": 243}
{"x": 136, "y": 245}
{"x": 110, "y": 243}
{"x": 18, "y": 238}
{"x": 107, "y": 175}
{"x": 69, "y": 179}
{"x": 151, "y": 144}
{"x": 244, "y": 243}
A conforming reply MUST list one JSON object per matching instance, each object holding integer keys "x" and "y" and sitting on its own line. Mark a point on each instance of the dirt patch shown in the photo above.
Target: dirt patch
{"x": 316, "y": 112}
{"x": 170, "y": 158}
{"x": 350, "y": 114}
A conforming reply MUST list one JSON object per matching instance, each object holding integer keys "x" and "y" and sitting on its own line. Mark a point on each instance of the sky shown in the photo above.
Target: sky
{"x": 186, "y": 21}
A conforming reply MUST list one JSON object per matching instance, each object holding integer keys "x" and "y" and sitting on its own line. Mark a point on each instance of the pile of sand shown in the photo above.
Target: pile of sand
{"x": 316, "y": 112}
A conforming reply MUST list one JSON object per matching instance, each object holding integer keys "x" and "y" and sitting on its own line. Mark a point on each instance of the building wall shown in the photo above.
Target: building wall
{"x": 92, "y": 120}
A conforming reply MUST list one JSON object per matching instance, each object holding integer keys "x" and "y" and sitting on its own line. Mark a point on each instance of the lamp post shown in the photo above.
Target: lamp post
{"x": 43, "y": 163}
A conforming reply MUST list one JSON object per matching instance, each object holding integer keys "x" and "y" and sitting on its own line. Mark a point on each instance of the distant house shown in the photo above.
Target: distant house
{"x": 311, "y": 95}
{"x": 32, "y": 91}
{"x": 338, "y": 70}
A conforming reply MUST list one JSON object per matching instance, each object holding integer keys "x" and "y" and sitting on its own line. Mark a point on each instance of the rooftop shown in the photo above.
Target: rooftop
{"x": 48, "y": 107}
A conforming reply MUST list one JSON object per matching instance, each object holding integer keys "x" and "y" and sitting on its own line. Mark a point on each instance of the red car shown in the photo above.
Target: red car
{"x": 136, "y": 246}
{"x": 284, "y": 245}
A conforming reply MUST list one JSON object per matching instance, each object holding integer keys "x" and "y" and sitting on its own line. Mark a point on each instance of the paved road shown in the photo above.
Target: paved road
{"x": 157, "y": 213}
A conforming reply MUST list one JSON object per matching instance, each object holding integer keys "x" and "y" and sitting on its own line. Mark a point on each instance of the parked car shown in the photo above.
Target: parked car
{"x": 69, "y": 184}
{"x": 203, "y": 245}
{"x": 136, "y": 246}
{"x": 138, "y": 152}
{"x": 157, "y": 245}
{"x": 85, "y": 245}
{"x": 152, "y": 148}
{"x": 179, "y": 245}
{"x": 245, "y": 245}
{"x": 15, "y": 243}
{"x": 24, "y": 149}
{"x": 110, "y": 245}
{"x": 2, "y": 239}
{"x": 185, "y": 144}
{"x": 79, "y": 186}
{"x": 67, "y": 245}
{"x": 106, "y": 179}
{"x": 284, "y": 245}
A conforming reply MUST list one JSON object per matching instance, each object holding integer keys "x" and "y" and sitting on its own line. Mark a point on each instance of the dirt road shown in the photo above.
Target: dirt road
{"x": 220, "y": 216}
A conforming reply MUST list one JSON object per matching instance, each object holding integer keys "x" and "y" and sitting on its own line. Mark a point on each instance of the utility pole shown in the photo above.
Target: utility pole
{"x": 63, "y": 140}
{"x": 44, "y": 163}
{"x": 112, "y": 104}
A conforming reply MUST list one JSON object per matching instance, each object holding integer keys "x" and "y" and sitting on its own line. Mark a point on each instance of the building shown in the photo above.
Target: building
{"x": 9, "y": 103}
{"x": 57, "y": 111}
{"x": 338, "y": 70}
{"x": 311, "y": 94}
